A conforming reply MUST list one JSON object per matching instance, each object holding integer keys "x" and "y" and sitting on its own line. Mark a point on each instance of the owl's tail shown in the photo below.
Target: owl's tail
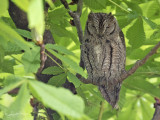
{"x": 111, "y": 94}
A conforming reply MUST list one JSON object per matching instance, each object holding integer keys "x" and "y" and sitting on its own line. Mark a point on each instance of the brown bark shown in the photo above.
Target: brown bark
{"x": 156, "y": 115}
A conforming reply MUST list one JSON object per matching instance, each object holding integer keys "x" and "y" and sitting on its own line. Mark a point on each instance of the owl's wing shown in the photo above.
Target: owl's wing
{"x": 122, "y": 38}
{"x": 81, "y": 64}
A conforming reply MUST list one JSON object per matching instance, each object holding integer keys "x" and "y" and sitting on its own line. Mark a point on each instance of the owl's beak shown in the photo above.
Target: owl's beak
{"x": 100, "y": 35}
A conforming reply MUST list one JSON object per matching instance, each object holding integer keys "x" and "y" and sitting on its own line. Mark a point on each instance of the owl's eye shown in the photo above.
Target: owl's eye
{"x": 107, "y": 27}
{"x": 107, "y": 41}
{"x": 111, "y": 29}
{"x": 87, "y": 40}
{"x": 93, "y": 26}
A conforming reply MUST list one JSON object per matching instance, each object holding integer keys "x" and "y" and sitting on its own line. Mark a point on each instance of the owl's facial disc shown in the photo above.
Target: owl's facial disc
{"x": 101, "y": 24}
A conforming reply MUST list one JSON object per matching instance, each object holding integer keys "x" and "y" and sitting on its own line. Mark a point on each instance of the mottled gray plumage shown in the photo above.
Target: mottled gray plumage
{"x": 103, "y": 54}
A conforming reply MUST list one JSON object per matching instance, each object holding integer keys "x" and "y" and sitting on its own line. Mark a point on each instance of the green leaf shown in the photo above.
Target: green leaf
{"x": 136, "y": 34}
{"x": 8, "y": 34}
{"x": 126, "y": 19}
{"x": 58, "y": 14}
{"x": 122, "y": 97}
{"x": 36, "y": 16}
{"x": 1, "y": 56}
{"x": 128, "y": 113}
{"x": 24, "y": 33}
{"x": 17, "y": 108}
{"x": 96, "y": 4}
{"x": 96, "y": 94}
{"x": 11, "y": 87}
{"x": 68, "y": 62}
{"x": 50, "y": 2}
{"x": 134, "y": 7}
{"x": 146, "y": 110}
{"x": 12, "y": 48}
{"x": 150, "y": 23}
{"x": 9, "y": 22}
{"x": 155, "y": 35}
{"x": 58, "y": 80}
{"x": 140, "y": 84}
{"x": 60, "y": 49}
{"x": 31, "y": 60}
{"x": 11, "y": 79}
{"x": 84, "y": 17}
{"x": 151, "y": 11}
{"x": 3, "y": 6}
{"x": 53, "y": 70}
{"x": 73, "y": 79}
{"x": 61, "y": 31}
{"x": 23, "y": 4}
{"x": 7, "y": 65}
{"x": 59, "y": 99}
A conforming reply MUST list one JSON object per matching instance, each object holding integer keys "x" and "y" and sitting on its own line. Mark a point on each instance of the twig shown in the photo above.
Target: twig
{"x": 55, "y": 61}
{"x": 156, "y": 115}
{"x": 119, "y": 6}
{"x": 140, "y": 62}
{"x": 76, "y": 17}
{"x": 34, "y": 103}
{"x": 64, "y": 2}
{"x": 43, "y": 57}
{"x": 35, "y": 109}
{"x": 101, "y": 111}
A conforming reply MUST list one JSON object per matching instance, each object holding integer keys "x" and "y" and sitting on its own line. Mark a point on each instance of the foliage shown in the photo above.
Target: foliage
{"x": 140, "y": 23}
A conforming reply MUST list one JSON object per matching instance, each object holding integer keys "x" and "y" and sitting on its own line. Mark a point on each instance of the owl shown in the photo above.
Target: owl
{"x": 103, "y": 54}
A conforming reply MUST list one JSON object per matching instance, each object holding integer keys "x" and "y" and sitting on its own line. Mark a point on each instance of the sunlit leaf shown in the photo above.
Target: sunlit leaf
{"x": 122, "y": 97}
{"x": 95, "y": 4}
{"x": 61, "y": 31}
{"x": 31, "y": 60}
{"x": 10, "y": 87}
{"x": 60, "y": 49}
{"x": 146, "y": 109}
{"x": 3, "y": 6}
{"x": 24, "y": 33}
{"x": 17, "y": 108}
{"x": 36, "y": 16}
{"x": 7, "y": 65}
{"x": 136, "y": 34}
{"x": 23, "y": 4}
{"x": 8, "y": 34}
{"x": 72, "y": 78}
{"x": 142, "y": 85}
{"x": 149, "y": 22}
{"x": 59, "y": 99}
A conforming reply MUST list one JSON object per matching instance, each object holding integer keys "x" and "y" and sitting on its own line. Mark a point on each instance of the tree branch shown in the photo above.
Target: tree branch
{"x": 140, "y": 63}
{"x": 156, "y": 115}
{"x": 76, "y": 17}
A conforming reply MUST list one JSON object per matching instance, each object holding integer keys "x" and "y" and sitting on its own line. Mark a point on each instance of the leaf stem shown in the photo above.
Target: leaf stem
{"x": 119, "y": 6}
{"x": 16, "y": 59}
{"x": 101, "y": 110}
{"x": 55, "y": 61}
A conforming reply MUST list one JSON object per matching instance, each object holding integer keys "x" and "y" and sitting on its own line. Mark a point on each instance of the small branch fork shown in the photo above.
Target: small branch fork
{"x": 43, "y": 57}
{"x": 76, "y": 16}
{"x": 140, "y": 62}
